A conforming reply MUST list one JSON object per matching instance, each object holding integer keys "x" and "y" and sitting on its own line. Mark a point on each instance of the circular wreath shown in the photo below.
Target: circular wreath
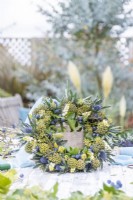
{"x": 48, "y": 123}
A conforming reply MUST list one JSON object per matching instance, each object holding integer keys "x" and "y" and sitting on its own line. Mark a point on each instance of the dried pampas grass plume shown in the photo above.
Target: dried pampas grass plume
{"x": 74, "y": 76}
{"x": 122, "y": 107}
{"x": 107, "y": 81}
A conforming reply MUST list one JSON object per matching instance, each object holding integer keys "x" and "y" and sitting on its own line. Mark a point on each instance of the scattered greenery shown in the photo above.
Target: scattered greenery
{"x": 7, "y": 145}
{"x": 127, "y": 139}
{"x": 109, "y": 192}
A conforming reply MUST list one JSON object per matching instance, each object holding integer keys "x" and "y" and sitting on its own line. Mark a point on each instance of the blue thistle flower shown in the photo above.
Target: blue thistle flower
{"x": 117, "y": 186}
{"x": 44, "y": 160}
{"x": 62, "y": 119}
{"x": 88, "y": 166}
{"x": 102, "y": 155}
{"x": 21, "y": 175}
{"x": 78, "y": 156}
{"x": 37, "y": 148}
{"x": 109, "y": 181}
{"x": 97, "y": 107}
{"x": 56, "y": 102}
{"x": 28, "y": 129}
{"x": 38, "y": 116}
{"x": 3, "y": 130}
{"x": 53, "y": 122}
{"x": 80, "y": 121}
{"x": 58, "y": 168}
{"x": 80, "y": 118}
{"x": 94, "y": 128}
{"x": 118, "y": 183}
{"x": 126, "y": 143}
{"x": 57, "y": 111}
{"x": 91, "y": 148}
{"x": 94, "y": 134}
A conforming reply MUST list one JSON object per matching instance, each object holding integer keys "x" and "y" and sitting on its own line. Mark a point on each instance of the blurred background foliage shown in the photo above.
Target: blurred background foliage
{"x": 89, "y": 34}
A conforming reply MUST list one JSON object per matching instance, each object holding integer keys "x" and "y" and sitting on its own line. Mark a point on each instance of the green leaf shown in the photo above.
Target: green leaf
{"x": 109, "y": 189}
{"x": 11, "y": 174}
{"x": 5, "y": 184}
{"x": 73, "y": 151}
{"x": 55, "y": 190}
{"x": 71, "y": 121}
{"x": 78, "y": 128}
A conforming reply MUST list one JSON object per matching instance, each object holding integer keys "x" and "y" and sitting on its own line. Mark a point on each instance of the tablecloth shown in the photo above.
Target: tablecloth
{"x": 87, "y": 183}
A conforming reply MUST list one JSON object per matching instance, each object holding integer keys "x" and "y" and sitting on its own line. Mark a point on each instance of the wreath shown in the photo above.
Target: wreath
{"x": 49, "y": 122}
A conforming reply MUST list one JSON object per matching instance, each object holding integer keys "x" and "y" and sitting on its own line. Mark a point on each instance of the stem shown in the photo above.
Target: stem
{"x": 122, "y": 123}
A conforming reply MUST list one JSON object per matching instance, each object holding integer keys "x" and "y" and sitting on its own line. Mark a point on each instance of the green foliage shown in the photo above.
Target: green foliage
{"x": 110, "y": 193}
{"x": 6, "y": 181}
{"x": 7, "y": 136}
{"x": 3, "y": 93}
{"x": 74, "y": 151}
{"x": 71, "y": 121}
{"x": 52, "y": 120}
{"x": 5, "y": 184}
{"x": 36, "y": 193}
{"x": 33, "y": 193}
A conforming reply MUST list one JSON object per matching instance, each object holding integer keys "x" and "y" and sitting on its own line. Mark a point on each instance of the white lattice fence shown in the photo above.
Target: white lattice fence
{"x": 19, "y": 49}
{"x": 23, "y": 50}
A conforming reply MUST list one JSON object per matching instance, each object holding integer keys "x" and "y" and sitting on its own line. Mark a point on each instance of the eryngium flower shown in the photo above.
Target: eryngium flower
{"x": 80, "y": 164}
{"x": 95, "y": 163}
{"x": 72, "y": 162}
{"x": 44, "y": 148}
{"x": 102, "y": 128}
{"x": 55, "y": 158}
